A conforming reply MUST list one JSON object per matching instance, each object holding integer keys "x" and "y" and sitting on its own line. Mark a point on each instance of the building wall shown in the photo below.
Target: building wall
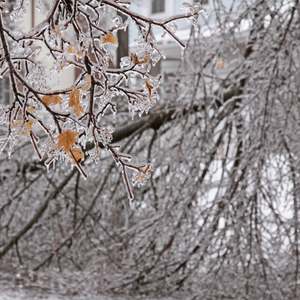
{"x": 34, "y": 17}
{"x": 167, "y": 43}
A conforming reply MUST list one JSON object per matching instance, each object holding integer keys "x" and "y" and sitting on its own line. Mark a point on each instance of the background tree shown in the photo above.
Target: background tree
{"x": 219, "y": 217}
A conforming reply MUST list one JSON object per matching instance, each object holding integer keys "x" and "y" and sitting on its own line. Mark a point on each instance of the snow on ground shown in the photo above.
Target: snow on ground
{"x": 32, "y": 295}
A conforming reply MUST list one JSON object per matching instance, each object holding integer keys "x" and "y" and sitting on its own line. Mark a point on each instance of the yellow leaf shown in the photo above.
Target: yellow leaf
{"x": 72, "y": 49}
{"x": 79, "y": 53}
{"x": 220, "y": 63}
{"x": 146, "y": 58}
{"x": 150, "y": 87}
{"x": 31, "y": 108}
{"x": 136, "y": 61}
{"x": 134, "y": 58}
{"x": 58, "y": 31}
{"x": 53, "y": 99}
{"x": 140, "y": 176}
{"x": 67, "y": 139}
{"x": 146, "y": 169}
{"x": 75, "y": 102}
{"x": 109, "y": 39}
{"x": 28, "y": 126}
{"x": 16, "y": 123}
{"x": 88, "y": 80}
{"x": 77, "y": 155}
{"x": 74, "y": 97}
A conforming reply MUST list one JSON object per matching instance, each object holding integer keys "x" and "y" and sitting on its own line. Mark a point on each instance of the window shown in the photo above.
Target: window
{"x": 203, "y": 2}
{"x": 5, "y": 93}
{"x": 158, "y": 6}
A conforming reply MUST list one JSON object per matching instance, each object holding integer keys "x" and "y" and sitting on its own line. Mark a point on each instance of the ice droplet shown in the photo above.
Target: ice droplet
{"x": 128, "y": 187}
{"x": 38, "y": 5}
{"x": 182, "y": 52}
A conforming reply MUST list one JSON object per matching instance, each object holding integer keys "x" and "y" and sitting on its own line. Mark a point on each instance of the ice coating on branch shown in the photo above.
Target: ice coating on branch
{"x": 16, "y": 48}
{"x": 37, "y": 77}
{"x": 38, "y": 5}
{"x": 54, "y": 36}
{"x": 117, "y": 20}
{"x": 59, "y": 64}
{"x": 3, "y": 115}
{"x": 143, "y": 103}
{"x": 84, "y": 41}
{"x": 16, "y": 33}
{"x": 95, "y": 153}
{"x": 104, "y": 134}
{"x": 128, "y": 187}
{"x": 3, "y": 68}
{"x": 192, "y": 10}
{"x": 19, "y": 11}
{"x": 119, "y": 24}
{"x": 125, "y": 3}
{"x": 125, "y": 62}
{"x": 172, "y": 27}
{"x": 141, "y": 176}
{"x": 88, "y": 104}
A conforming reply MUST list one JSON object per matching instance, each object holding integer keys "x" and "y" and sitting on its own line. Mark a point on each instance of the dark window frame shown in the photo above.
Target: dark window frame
{"x": 203, "y": 2}
{"x": 5, "y": 92}
{"x": 157, "y": 6}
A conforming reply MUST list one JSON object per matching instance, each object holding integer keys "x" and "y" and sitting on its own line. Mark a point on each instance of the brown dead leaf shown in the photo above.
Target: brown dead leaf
{"x": 75, "y": 102}
{"x": 150, "y": 87}
{"x": 146, "y": 169}
{"x": 16, "y": 123}
{"x": 67, "y": 139}
{"x": 28, "y": 125}
{"x": 77, "y": 155}
{"x": 52, "y": 99}
{"x": 31, "y": 108}
{"x": 109, "y": 39}
{"x": 72, "y": 49}
{"x": 134, "y": 58}
{"x": 146, "y": 58}
{"x": 136, "y": 61}
{"x": 88, "y": 80}
{"x": 220, "y": 63}
{"x": 79, "y": 53}
{"x": 4, "y": 10}
{"x": 58, "y": 31}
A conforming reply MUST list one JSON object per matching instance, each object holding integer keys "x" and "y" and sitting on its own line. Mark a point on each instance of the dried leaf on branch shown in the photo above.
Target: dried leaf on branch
{"x": 67, "y": 139}
{"x": 75, "y": 101}
{"x": 52, "y": 99}
{"x": 109, "y": 39}
{"x": 76, "y": 155}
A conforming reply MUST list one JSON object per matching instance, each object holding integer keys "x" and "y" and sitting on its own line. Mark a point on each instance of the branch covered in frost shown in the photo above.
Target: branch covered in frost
{"x": 73, "y": 35}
